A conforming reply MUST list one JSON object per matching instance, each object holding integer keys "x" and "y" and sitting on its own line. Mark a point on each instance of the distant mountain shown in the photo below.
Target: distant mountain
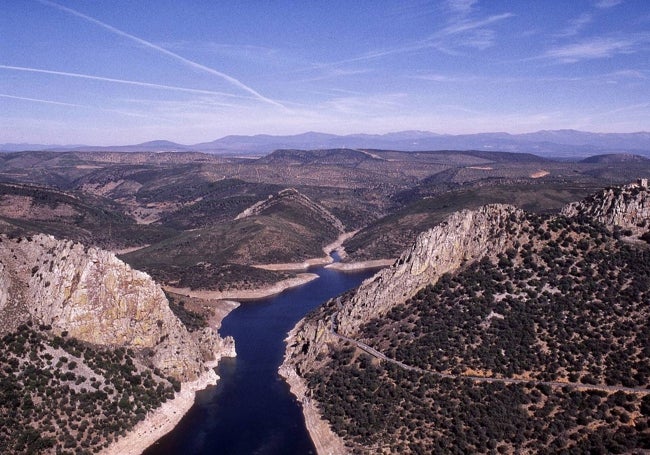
{"x": 556, "y": 143}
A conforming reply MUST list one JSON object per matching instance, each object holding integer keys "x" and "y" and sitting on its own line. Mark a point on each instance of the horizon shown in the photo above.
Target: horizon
{"x": 76, "y": 72}
{"x": 312, "y": 132}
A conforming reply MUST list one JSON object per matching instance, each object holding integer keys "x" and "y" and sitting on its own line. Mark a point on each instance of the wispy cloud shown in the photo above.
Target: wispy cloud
{"x": 461, "y": 6}
{"x": 237, "y": 83}
{"x": 594, "y": 48}
{"x": 461, "y": 32}
{"x": 604, "y": 4}
{"x": 576, "y": 25}
{"x": 118, "y": 81}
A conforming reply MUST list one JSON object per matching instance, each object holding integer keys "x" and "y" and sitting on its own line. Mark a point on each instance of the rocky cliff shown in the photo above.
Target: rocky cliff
{"x": 96, "y": 298}
{"x": 465, "y": 237}
{"x": 627, "y": 207}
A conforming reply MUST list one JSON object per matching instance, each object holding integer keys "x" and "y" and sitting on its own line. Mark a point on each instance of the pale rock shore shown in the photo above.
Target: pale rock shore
{"x": 361, "y": 265}
{"x": 247, "y": 294}
{"x": 337, "y": 246}
{"x": 162, "y": 420}
{"x": 324, "y": 439}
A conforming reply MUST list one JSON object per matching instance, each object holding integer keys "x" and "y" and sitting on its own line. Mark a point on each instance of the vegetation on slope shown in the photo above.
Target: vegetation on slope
{"x": 421, "y": 210}
{"x": 30, "y": 209}
{"x": 568, "y": 304}
{"x": 61, "y": 396}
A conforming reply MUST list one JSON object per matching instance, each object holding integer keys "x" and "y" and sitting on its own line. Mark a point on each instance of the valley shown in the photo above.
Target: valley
{"x": 486, "y": 299}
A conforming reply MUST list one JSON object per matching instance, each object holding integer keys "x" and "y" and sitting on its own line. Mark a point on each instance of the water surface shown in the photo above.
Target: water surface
{"x": 250, "y": 410}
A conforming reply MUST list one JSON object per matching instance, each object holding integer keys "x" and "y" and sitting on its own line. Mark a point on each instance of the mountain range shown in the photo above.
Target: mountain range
{"x": 549, "y": 143}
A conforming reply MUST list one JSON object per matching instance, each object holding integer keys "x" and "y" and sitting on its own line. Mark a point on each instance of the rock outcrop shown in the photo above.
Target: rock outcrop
{"x": 464, "y": 237}
{"x": 96, "y": 298}
{"x": 627, "y": 207}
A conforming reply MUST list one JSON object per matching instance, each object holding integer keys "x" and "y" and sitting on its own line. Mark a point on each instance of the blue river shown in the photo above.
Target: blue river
{"x": 250, "y": 410}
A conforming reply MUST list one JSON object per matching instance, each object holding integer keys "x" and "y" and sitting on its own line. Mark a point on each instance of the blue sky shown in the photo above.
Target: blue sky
{"x": 128, "y": 71}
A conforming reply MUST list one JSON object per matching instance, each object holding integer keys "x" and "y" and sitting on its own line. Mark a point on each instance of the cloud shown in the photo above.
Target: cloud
{"x": 576, "y": 25}
{"x": 163, "y": 51}
{"x": 118, "y": 81}
{"x": 461, "y": 32}
{"x": 461, "y": 6}
{"x": 604, "y": 4}
{"x": 592, "y": 49}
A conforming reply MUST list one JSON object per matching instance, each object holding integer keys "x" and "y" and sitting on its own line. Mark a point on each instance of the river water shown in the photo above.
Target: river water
{"x": 250, "y": 410}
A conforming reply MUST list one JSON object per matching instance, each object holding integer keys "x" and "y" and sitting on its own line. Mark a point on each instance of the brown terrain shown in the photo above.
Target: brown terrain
{"x": 75, "y": 317}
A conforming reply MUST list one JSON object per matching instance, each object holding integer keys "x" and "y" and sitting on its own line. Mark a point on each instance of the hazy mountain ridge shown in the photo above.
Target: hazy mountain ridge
{"x": 558, "y": 143}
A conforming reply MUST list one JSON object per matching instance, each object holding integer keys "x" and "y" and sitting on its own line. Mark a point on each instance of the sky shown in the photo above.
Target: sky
{"x": 128, "y": 71}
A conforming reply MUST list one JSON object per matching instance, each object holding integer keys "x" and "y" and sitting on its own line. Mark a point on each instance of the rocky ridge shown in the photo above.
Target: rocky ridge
{"x": 96, "y": 298}
{"x": 627, "y": 207}
{"x": 465, "y": 237}
{"x": 294, "y": 195}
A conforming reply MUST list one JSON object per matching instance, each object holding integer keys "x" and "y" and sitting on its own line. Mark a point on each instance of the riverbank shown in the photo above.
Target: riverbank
{"x": 324, "y": 439}
{"x": 162, "y": 420}
{"x": 361, "y": 265}
{"x": 246, "y": 294}
{"x": 336, "y": 246}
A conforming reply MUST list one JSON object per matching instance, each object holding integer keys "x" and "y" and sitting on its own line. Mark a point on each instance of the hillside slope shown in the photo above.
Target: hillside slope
{"x": 285, "y": 227}
{"x": 488, "y": 325}
{"x": 91, "y": 347}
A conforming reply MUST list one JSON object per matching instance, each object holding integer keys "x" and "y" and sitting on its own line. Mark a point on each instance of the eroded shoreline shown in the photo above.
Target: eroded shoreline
{"x": 163, "y": 419}
{"x": 325, "y": 440}
{"x": 246, "y": 294}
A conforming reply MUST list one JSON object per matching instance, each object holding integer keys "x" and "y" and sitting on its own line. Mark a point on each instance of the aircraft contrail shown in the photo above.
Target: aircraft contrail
{"x": 60, "y": 103}
{"x": 118, "y": 81}
{"x": 164, "y": 51}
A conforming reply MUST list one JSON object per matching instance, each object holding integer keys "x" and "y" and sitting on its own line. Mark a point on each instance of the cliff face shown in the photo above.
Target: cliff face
{"x": 97, "y": 298}
{"x": 464, "y": 237}
{"x": 627, "y": 207}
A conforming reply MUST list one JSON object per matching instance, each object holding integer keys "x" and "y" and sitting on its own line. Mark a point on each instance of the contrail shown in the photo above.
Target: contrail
{"x": 59, "y": 103}
{"x": 164, "y": 51}
{"x": 118, "y": 81}
{"x": 2, "y": 95}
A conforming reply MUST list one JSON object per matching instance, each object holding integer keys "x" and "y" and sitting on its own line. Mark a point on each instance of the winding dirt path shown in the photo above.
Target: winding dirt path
{"x": 555, "y": 384}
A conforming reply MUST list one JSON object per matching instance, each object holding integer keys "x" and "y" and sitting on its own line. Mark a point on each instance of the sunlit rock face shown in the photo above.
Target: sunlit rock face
{"x": 97, "y": 298}
{"x": 627, "y": 207}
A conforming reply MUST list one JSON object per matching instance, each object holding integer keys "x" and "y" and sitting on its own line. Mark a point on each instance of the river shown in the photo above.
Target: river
{"x": 250, "y": 410}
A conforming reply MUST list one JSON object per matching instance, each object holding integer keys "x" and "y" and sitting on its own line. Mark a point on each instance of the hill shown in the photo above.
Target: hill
{"x": 90, "y": 348}
{"x": 128, "y": 200}
{"x": 31, "y": 209}
{"x": 497, "y": 330}
{"x": 286, "y": 227}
